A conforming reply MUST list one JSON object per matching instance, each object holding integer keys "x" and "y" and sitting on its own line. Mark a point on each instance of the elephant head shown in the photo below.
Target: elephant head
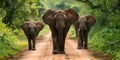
{"x": 31, "y": 30}
{"x": 82, "y": 27}
{"x": 51, "y": 17}
{"x": 59, "y": 22}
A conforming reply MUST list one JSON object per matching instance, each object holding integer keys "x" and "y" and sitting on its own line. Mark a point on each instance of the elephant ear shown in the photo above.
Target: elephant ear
{"x": 39, "y": 27}
{"x": 24, "y": 27}
{"x": 72, "y": 15}
{"x": 48, "y": 17}
{"x": 90, "y": 20}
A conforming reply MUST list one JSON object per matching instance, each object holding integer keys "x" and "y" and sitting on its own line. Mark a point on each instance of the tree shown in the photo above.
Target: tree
{"x": 17, "y": 11}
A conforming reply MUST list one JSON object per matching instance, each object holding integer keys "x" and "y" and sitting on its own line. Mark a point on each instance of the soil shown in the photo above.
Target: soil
{"x": 44, "y": 49}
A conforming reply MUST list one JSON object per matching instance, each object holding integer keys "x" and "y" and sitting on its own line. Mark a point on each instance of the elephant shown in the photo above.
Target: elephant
{"x": 59, "y": 22}
{"x": 82, "y": 27}
{"x": 31, "y": 30}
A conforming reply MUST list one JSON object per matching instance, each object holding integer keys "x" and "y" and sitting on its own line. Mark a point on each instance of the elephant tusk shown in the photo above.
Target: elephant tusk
{"x": 65, "y": 16}
{"x": 85, "y": 28}
{"x": 79, "y": 29}
{"x": 54, "y": 17}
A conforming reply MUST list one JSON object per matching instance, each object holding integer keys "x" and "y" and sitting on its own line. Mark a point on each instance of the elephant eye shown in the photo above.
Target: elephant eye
{"x": 28, "y": 27}
{"x": 86, "y": 23}
{"x": 55, "y": 13}
{"x": 35, "y": 28}
{"x": 64, "y": 12}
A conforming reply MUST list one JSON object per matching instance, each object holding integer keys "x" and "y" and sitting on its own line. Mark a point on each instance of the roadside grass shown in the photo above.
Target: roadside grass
{"x": 103, "y": 41}
{"x": 44, "y": 30}
{"x": 72, "y": 33}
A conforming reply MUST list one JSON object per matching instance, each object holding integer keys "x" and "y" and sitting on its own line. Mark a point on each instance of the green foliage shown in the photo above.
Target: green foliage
{"x": 62, "y": 5}
{"x": 117, "y": 57}
{"x": 15, "y": 12}
{"x": 8, "y": 45}
{"x": 72, "y": 32}
{"x": 3, "y": 13}
{"x": 106, "y": 38}
{"x": 107, "y": 41}
{"x": 45, "y": 30}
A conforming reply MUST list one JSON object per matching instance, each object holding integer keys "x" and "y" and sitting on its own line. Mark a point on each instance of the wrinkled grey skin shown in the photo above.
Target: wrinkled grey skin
{"x": 82, "y": 27}
{"x": 59, "y": 22}
{"x": 31, "y": 30}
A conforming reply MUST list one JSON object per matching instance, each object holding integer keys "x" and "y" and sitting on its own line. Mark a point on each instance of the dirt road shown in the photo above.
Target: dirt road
{"x": 44, "y": 51}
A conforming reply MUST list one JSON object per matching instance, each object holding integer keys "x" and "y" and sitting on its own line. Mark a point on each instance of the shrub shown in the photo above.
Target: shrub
{"x": 8, "y": 46}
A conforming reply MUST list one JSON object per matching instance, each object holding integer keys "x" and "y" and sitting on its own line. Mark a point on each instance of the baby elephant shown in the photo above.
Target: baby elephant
{"x": 31, "y": 30}
{"x": 82, "y": 27}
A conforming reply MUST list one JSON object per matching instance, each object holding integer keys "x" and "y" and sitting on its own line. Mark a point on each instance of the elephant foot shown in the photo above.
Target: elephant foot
{"x": 61, "y": 52}
{"x": 85, "y": 48}
{"x": 33, "y": 49}
{"x": 55, "y": 52}
{"x": 29, "y": 48}
{"x": 79, "y": 47}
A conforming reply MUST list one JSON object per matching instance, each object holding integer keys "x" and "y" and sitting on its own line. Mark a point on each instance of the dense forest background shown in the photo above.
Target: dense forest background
{"x": 103, "y": 37}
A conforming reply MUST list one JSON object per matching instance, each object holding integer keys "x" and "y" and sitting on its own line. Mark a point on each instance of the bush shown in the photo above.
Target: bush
{"x": 62, "y": 5}
{"x": 8, "y": 40}
{"x": 8, "y": 47}
{"x": 107, "y": 41}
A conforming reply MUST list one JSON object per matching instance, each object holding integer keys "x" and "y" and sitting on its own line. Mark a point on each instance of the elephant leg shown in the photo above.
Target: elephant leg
{"x": 86, "y": 41}
{"x": 80, "y": 42}
{"x": 34, "y": 43}
{"x": 62, "y": 44}
{"x": 29, "y": 44}
{"x": 54, "y": 39}
{"x": 85, "y": 45}
{"x": 65, "y": 32}
{"x": 78, "y": 37}
{"x": 83, "y": 36}
{"x": 76, "y": 31}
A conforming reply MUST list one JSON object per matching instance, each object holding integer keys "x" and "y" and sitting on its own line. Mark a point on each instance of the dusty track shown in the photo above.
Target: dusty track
{"x": 44, "y": 51}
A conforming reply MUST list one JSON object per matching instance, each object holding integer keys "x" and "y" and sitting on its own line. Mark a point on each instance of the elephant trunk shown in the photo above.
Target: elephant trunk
{"x": 82, "y": 30}
{"x": 61, "y": 40}
{"x": 32, "y": 32}
{"x": 60, "y": 24}
{"x": 82, "y": 34}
